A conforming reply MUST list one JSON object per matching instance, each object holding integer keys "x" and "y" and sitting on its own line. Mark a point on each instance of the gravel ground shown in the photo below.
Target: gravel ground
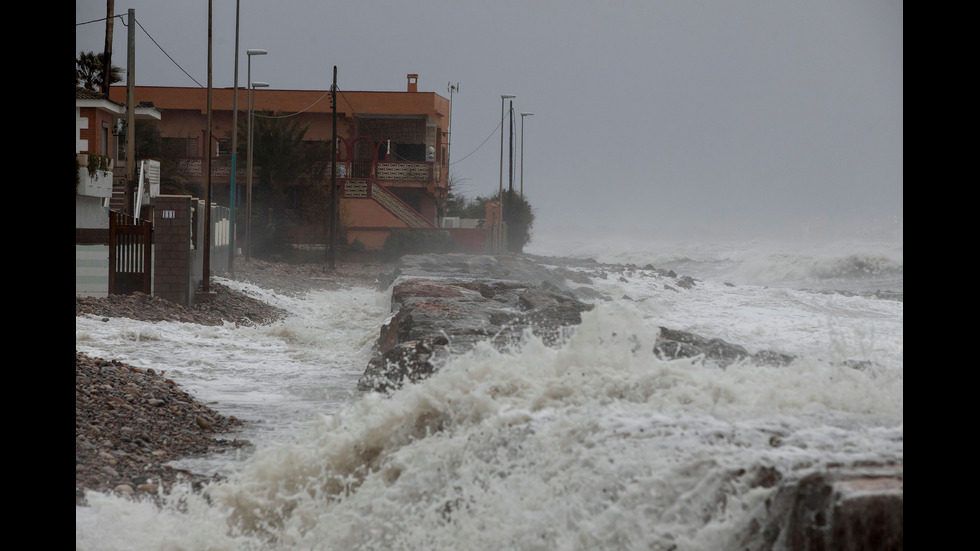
{"x": 130, "y": 422}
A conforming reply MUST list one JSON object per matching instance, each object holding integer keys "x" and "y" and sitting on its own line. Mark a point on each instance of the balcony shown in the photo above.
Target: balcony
{"x": 405, "y": 171}
{"x": 94, "y": 176}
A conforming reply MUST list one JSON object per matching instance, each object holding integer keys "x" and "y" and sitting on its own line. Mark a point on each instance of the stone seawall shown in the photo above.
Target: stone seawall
{"x": 444, "y": 304}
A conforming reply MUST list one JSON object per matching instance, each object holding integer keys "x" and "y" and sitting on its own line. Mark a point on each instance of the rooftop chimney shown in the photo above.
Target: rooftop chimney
{"x": 413, "y": 82}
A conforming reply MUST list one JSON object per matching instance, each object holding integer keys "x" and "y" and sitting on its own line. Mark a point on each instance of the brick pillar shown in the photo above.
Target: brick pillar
{"x": 172, "y": 247}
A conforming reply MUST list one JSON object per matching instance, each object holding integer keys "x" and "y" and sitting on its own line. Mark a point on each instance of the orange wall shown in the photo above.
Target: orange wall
{"x": 367, "y": 212}
{"x": 96, "y": 118}
{"x": 372, "y": 239}
{"x": 185, "y": 116}
{"x": 314, "y": 106}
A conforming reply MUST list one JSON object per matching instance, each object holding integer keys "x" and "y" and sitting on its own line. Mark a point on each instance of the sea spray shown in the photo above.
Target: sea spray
{"x": 595, "y": 443}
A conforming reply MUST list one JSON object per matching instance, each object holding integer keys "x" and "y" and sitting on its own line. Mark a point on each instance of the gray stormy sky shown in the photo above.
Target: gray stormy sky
{"x": 741, "y": 116}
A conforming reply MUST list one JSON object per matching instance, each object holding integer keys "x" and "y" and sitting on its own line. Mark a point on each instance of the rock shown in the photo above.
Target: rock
{"x": 686, "y": 282}
{"x": 203, "y": 423}
{"x": 842, "y": 509}
{"x": 404, "y": 362}
{"x": 448, "y": 303}
{"x": 452, "y": 301}
{"x": 673, "y": 344}
{"x": 115, "y": 446}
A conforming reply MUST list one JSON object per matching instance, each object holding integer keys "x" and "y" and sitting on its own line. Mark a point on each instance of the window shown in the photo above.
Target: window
{"x": 104, "y": 149}
{"x": 410, "y": 152}
{"x": 224, "y": 146}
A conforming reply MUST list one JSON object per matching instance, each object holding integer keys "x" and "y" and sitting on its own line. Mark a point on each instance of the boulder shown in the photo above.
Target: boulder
{"x": 449, "y": 316}
{"x": 844, "y": 509}
{"x": 449, "y": 302}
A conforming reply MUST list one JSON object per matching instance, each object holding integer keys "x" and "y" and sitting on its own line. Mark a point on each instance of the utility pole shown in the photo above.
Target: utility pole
{"x": 333, "y": 178}
{"x": 449, "y": 134}
{"x": 441, "y": 206}
{"x": 510, "y": 174}
{"x": 234, "y": 153}
{"x": 499, "y": 227}
{"x": 107, "y": 50}
{"x": 130, "y": 207}
{"x": 508, "y": 207}
{"x": 206, "y": 241}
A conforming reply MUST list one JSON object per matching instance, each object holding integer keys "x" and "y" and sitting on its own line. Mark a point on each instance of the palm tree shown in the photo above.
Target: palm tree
{"x": 276, "y": 149}
{"x": 90, "y": 71}
{"x": 280, "y": 159}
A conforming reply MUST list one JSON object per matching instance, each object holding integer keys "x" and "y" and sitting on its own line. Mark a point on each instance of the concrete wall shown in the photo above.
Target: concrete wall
{"x": 92, "y": 270}
{"x": 90, "y": 212}
{"x": 177, "y": 263}
{"x": 172, "y": 216}
{"x": 220, "y": 217}
{"x": 178, "y": 237}
{"x": 470, "y": 240}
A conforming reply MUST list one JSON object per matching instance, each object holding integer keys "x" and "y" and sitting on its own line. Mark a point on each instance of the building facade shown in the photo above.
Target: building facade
{"x": 391, "y": 171}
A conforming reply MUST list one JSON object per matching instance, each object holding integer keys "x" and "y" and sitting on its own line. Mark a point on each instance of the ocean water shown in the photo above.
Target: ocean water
{"x": 596, "y": 444}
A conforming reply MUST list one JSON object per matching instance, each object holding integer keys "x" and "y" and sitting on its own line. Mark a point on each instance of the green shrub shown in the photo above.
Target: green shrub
{"x": 404, "y": 241}
{"x": 97, "y": 163}
{"x": 518, "y": 214}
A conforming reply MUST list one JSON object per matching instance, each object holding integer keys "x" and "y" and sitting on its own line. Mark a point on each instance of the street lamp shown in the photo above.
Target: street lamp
{"x": 522, "y": 151}
{"x": 500, "y": 193}
{"x": 232, "y": 230}
{"x": 248, "y": 203}
{"x": 248, "y": 197}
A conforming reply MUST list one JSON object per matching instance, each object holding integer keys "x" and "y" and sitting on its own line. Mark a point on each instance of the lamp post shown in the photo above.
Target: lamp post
{"x": 522, "y": 151}
{"x": 234, "y": 151}
{"x": 248, "y": 202}
{"x": 248, "y": 175}
{"x": 500, "y": 192}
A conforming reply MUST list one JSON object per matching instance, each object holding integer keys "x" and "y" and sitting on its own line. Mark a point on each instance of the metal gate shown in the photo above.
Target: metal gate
{"x": 130, "y": 254}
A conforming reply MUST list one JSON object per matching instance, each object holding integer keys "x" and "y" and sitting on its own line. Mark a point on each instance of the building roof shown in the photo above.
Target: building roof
{"x": 293, "y": 101}
{"x": 91, "y": 98}
{"x": 85, "y": 93}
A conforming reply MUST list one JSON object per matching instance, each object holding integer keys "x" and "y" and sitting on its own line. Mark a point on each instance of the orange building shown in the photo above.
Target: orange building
{"x": 392, "y": 169}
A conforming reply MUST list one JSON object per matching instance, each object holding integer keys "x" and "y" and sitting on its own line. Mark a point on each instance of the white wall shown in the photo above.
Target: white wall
{"x": 89, "y": 213}
{"x": 92, "y": 270}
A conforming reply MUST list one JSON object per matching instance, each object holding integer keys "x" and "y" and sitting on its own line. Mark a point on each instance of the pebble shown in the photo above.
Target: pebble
{"x": 162, "y": 422}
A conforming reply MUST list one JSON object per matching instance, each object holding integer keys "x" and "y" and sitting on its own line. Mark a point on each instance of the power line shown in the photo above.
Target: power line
{"x": 481, "y": 145}
{"x": 325, "y": 94}
{"x": 122, "y": 19}
{"x": 99, "y": 20}
{"x": 165, "y": 53}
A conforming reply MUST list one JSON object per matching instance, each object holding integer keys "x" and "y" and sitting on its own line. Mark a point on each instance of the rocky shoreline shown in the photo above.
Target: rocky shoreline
{"x": 443, "y": 302}
{"x": 131, "y": 422}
